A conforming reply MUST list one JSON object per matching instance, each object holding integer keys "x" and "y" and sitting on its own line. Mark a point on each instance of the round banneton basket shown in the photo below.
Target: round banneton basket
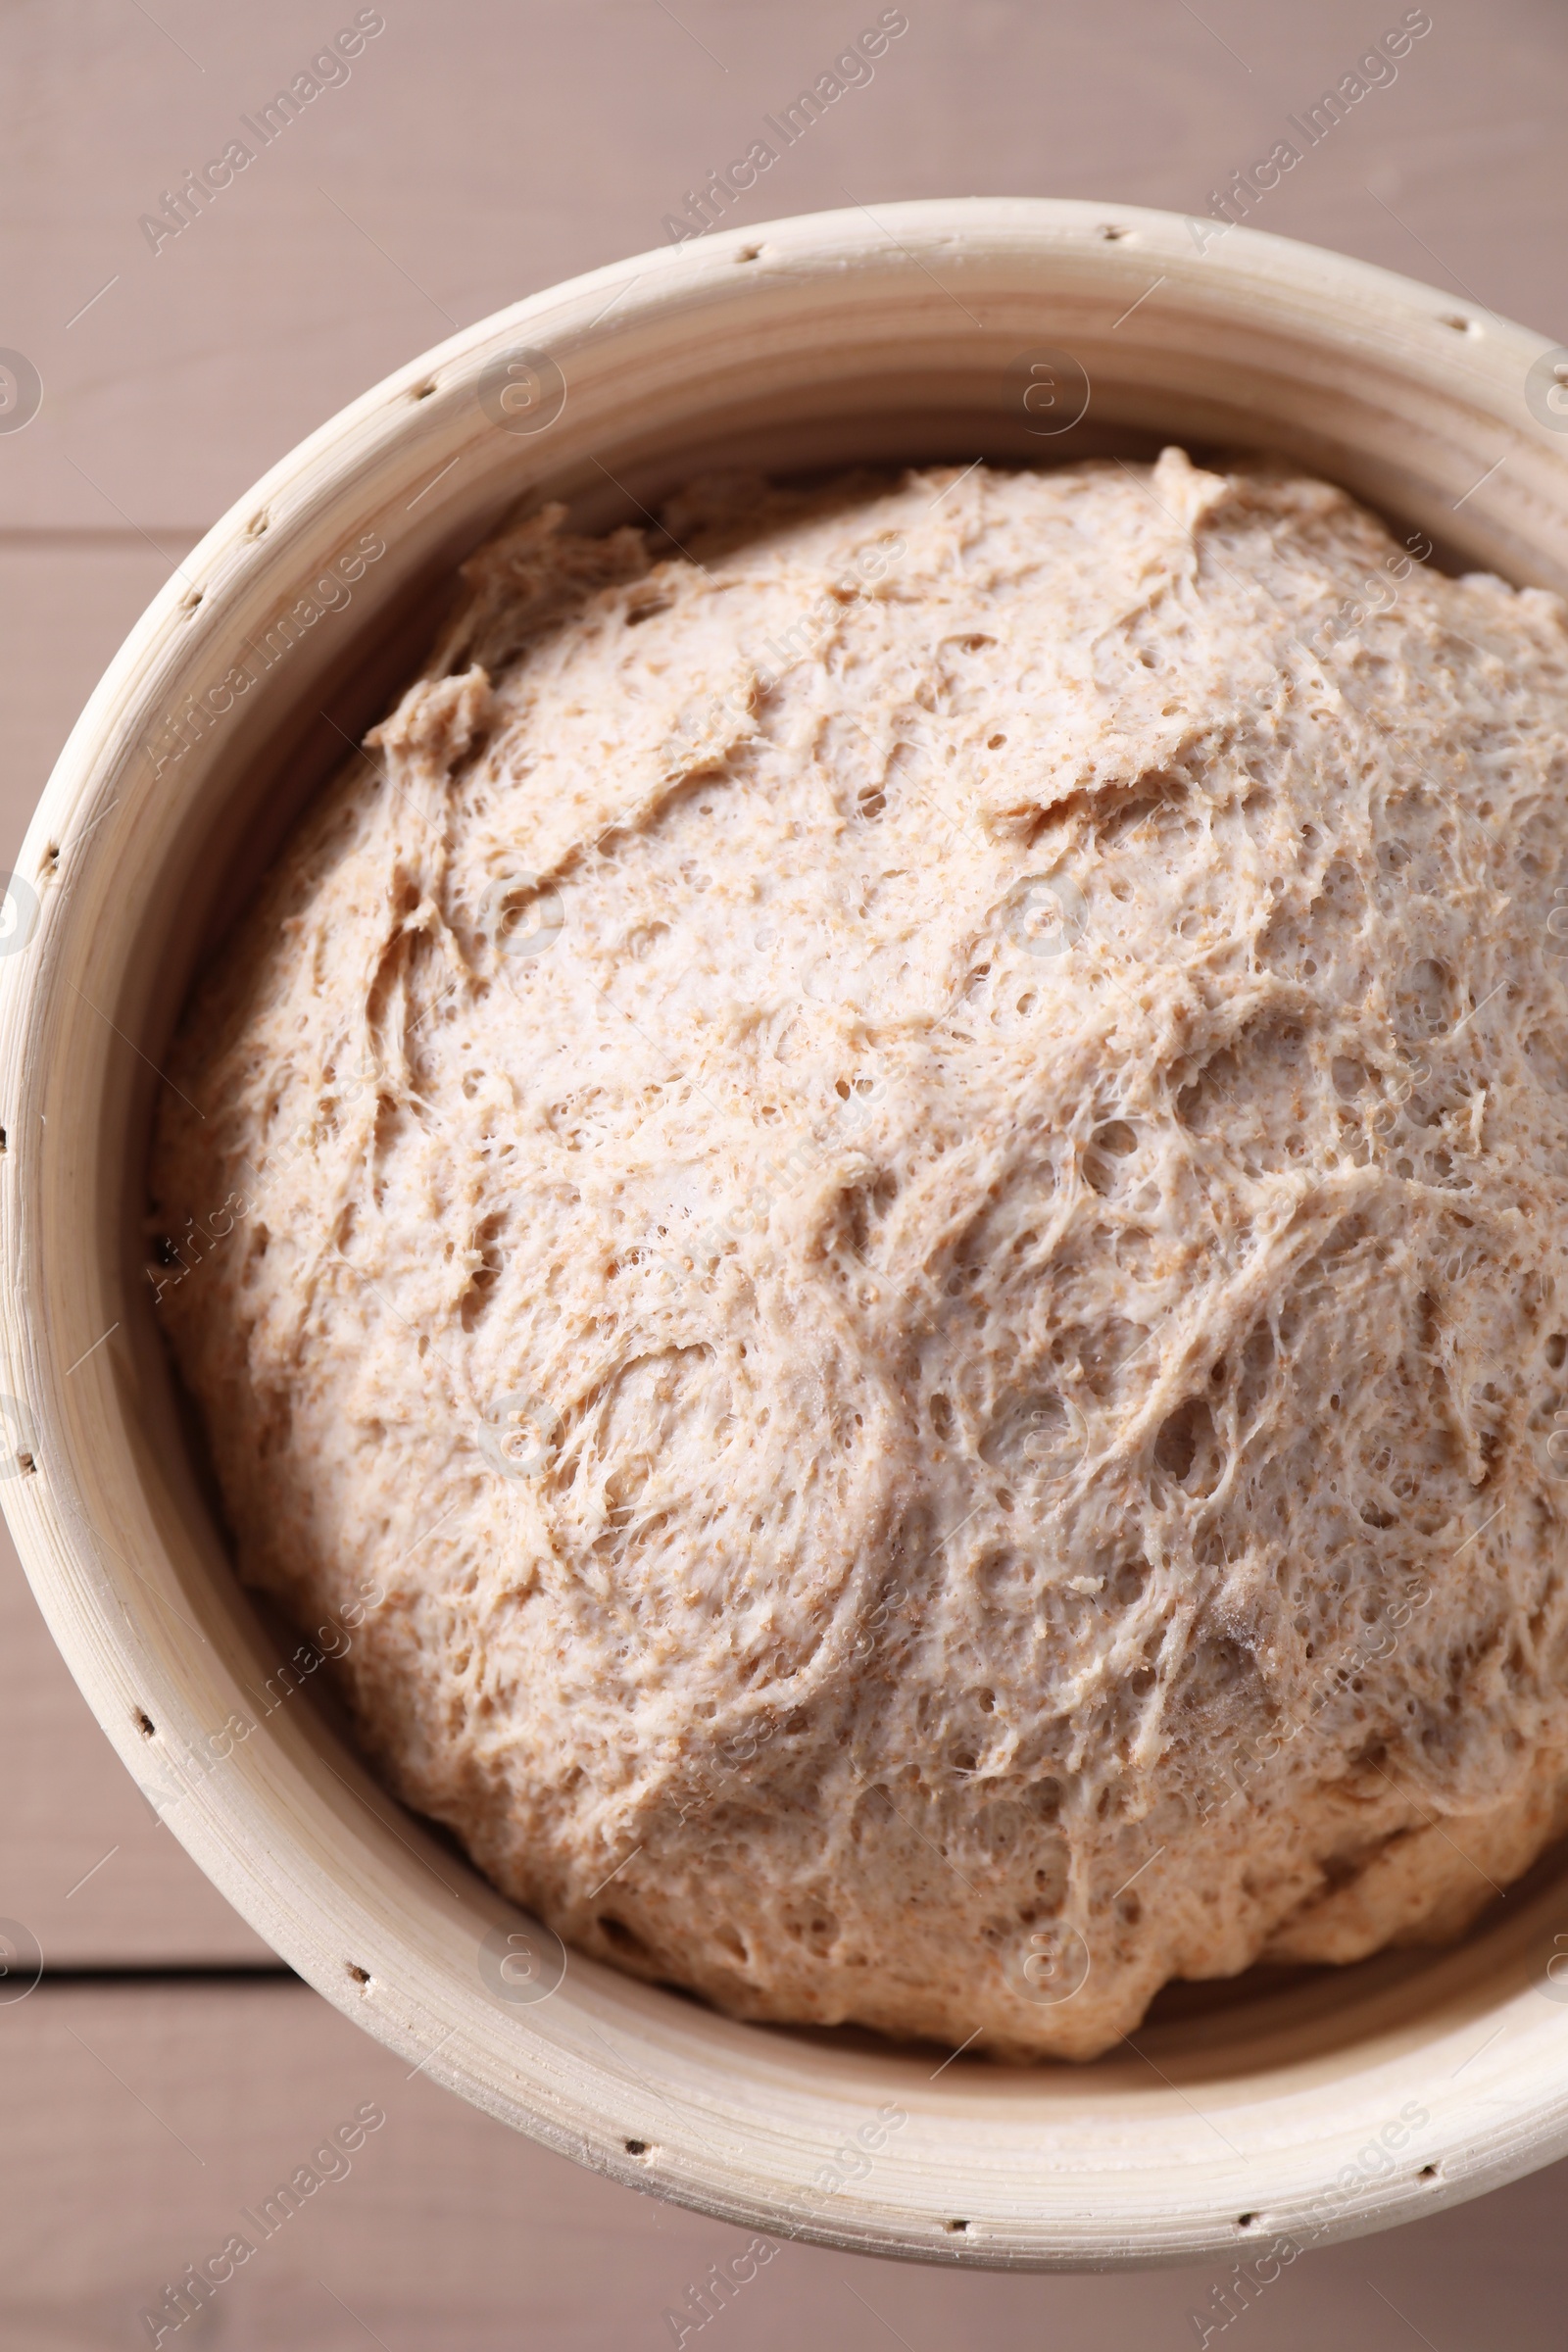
{"x": 1253, "y": 2119}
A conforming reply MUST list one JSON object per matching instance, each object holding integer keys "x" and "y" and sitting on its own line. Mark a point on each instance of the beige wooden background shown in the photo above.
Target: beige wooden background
{"x": 167, "y": 2071}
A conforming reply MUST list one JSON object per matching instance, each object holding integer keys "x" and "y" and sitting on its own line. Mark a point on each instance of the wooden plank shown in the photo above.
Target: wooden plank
{"x": 553, "y": 138}
{"x": 158, "y": 2122}
{"x": 66, "y": 602}
{"x": 83, "y": 1861}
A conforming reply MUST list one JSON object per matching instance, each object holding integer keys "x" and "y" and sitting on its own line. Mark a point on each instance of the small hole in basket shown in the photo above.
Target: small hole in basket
{"x": 1247, "y": 2221}
{"x": 749, "y": 253}
{"x": 954, "y": 2227}
{"x": 257, "y": 526}
{"x": 1428, "y": 2172}
{"x": 1460, "y": 324}
{"x": 360, "y": 1975}
{"x": 144, "y": 1724}
{"x": 1111, "y": 232}
{"x": 51, "y": 856}
{"x": 3, "y": 1146}
{"x": 636, "y": 2147}
{"x": 422, "y": 391}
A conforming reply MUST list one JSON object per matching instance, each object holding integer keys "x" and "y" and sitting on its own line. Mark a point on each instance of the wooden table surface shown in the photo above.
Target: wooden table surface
{"x": 167, "y": 2071}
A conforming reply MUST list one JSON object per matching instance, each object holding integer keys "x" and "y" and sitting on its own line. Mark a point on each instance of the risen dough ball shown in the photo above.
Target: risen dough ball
{"x": 901, "y": 1182}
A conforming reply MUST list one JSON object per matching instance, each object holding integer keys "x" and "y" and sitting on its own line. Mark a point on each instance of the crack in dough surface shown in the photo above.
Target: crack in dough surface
{"x": 900, "y": 1184}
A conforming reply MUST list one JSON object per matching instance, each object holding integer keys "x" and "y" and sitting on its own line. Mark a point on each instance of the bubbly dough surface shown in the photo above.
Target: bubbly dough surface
{"x": 900, "y": 1182}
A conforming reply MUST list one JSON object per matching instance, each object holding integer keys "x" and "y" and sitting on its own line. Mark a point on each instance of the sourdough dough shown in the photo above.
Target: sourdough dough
{"x": 899, "y": 1183}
